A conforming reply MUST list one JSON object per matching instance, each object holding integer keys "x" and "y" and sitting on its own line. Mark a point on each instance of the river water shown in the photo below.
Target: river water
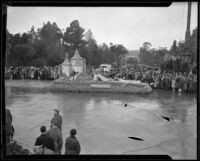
{"x": 103, "y": 122}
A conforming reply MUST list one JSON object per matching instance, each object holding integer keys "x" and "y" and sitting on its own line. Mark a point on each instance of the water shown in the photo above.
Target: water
{"x": 104, "y": 123}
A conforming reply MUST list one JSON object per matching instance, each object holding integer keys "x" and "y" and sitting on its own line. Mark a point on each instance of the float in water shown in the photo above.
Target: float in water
{"x": 84, "y": 83}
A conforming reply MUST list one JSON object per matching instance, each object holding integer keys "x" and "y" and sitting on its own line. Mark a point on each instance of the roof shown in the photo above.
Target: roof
{"x": 76, "y": 55}
{"x": 66, "y": 62}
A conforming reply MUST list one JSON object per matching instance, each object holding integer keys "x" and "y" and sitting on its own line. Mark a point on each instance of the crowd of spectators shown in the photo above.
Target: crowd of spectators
{"x": 168, "y": 80}
{"x": 42, "y": 73}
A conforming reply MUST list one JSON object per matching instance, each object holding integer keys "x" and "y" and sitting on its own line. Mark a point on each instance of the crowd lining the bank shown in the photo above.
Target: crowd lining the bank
{"x": 167, "y": 80}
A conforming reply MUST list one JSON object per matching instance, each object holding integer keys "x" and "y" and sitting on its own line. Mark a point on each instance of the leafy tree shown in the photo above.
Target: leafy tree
{"x": 132, "y": 61}
{"x": 152, "y": 57}
{"x": 147, "y": 45}
{"x": 106, "y": 55}
{"x": 48, "y": 45}
{"x": 74, "y": 37}
{"x": 8, "y": 48}
{"x": 92, "y": 51}
{"x": 22, "y": 54}
{"x": 118, "y": 52}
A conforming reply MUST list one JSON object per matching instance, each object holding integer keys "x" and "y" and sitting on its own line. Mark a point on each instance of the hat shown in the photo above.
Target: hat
{"x": 56, "y": 110}
{"x": 73, "y": 132}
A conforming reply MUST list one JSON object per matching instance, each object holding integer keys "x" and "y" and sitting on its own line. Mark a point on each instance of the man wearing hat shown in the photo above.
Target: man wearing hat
{"x": 72, "y": 145}
{"x": 57, "y": 119}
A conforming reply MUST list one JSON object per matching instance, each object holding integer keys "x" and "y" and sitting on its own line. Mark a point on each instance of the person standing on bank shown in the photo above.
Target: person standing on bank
{"x": 56, "y": 134}
{"x": 57, "y": 119}
{"x": 9, "y": 126}
{"x": 72, "y": 145}
{"x": 45, "y": 140}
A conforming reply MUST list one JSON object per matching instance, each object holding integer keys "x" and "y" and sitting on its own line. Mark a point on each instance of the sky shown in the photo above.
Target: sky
{"x": 130, "y": 26}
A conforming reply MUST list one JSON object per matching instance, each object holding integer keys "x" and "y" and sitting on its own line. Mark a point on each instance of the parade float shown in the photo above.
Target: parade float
{"x": 75, "y": 79}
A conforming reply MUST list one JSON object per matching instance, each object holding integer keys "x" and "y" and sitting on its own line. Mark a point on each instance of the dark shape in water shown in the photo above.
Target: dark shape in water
{"x": 135, "y": 138}
{"x": 125, "y": 105}
{"x": 166, "y": 118}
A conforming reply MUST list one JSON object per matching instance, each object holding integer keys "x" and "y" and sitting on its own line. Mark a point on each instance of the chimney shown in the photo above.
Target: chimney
{"x": 187, "y": 33}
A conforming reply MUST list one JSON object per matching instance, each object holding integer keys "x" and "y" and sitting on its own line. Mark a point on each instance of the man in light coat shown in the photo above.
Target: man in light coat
{"x": 57, "y": 119}
{"x": 56, "y": 134}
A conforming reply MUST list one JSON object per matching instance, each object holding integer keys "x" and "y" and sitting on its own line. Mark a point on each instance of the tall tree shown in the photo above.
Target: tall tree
{"x": 8, "y": 48}
{"x": 48, "y": 45}
{"x": 74, "y": 37}
{"x": 118, "y": 52}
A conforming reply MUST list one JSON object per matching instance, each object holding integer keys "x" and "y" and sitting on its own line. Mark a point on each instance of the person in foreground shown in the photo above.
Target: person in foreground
{"x": 56, "y": 134}
{"x": 57, "y": 119}
{"x": 72, "y": 145}
{"x": 44, "y": 144}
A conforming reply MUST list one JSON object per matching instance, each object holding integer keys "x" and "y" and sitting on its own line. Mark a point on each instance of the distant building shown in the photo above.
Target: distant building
{"x": 66, "y": 66}
{"x": 78, "y": 63}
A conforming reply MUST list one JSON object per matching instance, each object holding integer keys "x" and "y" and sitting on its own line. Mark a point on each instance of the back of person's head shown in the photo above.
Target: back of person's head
{"x": 73, "y": 132}
{"x": 43, "y": 129}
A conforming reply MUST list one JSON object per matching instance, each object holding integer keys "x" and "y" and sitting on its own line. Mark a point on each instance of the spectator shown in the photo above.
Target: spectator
{"x": 57, "y": 119}
{"x": 56, "y": 134}
{"x": 9, "y": 126}
{"x": 72, "y": 145}
{"x": 45, "y": 140}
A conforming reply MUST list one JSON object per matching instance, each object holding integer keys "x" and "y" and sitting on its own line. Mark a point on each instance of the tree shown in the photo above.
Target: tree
{"x": 147, "y": 45}
{"x": 153, "y": 56}
{"x": 174, "y": 47}
{"x": 8, "y": 48}
{"x": 106, "y": 56}
{"x": 92, "y": 51}
{"x": 118, "y": 52}
{"x": 48, "y": 45}
{"x": 22, "y": 54}
{"x": 73, "y": 37}
{"x": 132, "y": 61}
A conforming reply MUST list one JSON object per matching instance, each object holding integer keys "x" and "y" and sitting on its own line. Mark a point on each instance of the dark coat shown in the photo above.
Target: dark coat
{"x": 56, "y": 134}
{"x": 57, "y": 120}
{"x": 72, "y": 146}
{"x": 9, "y": 128}
{"x": 46, "y": 140}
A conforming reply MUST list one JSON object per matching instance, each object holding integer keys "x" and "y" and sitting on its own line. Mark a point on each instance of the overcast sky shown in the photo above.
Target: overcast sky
{"x": 130, "y": 26}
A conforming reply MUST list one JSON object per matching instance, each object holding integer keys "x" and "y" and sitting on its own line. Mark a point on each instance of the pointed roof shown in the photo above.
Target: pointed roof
{"x": 76, "y": 55}
{"x": 66, "y": 62}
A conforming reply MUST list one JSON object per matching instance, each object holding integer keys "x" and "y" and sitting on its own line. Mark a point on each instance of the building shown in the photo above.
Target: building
{"x": 66, "y": 66}
{"x": 78, "y": 63}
